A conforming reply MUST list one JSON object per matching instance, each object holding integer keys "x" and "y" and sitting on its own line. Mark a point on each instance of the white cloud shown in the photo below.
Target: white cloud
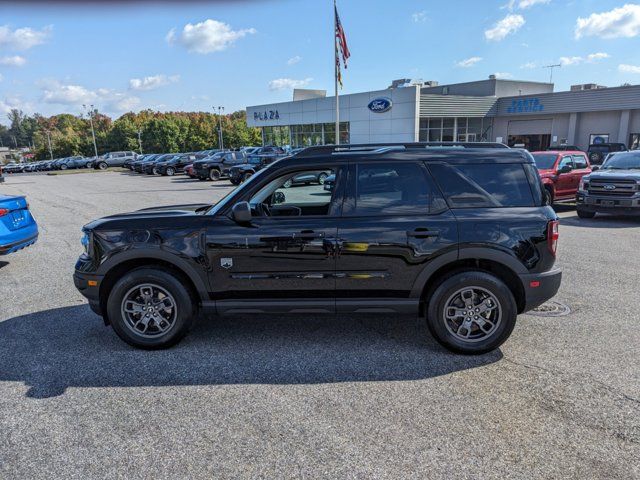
{"x": 14, "y": 61}
{"x": 591, "y": 58}
{"x": 529, "y": 65}
{"x": 23, "y": 38}
{"x": 294, "y": 60}
{"x": 288, "y": 83}
{"x": 524, "y": 4}
{"x": 594, "y": 57}
{"x": 419, "y": 17}
{"x": 54, "y": 92}
{"x": 568, "y": 61}
{"x": 508, "y": 25}
{"x": 207, "y": 37}
{"x": 468, "y": 62}
{"x": 152, "y": 82}
{"x": 619, "y": 22}
{"x": 503, "y": 75}
{"x": 624, "y": 68}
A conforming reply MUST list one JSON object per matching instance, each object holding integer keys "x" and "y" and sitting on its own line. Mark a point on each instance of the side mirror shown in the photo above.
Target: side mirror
{"x": 595, "y": 168}
{"x": 241, "y": 212}
{"x": 565, "y": 169}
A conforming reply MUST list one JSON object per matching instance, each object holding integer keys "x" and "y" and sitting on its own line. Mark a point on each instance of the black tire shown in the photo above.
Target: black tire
{"x": 322, "y": 177}
{"x": 63, "y": 167}
{"x": 214, "y": 174}
{"x": 595, "y": 157}
{"x": 585, "y": 213}
{"x": 154, "y": 171}
{"x": 246, "y": 176}
{"x": 551, "y": 196}
{"x": 235, "y": 181}
{"x": 170, "y": 171}
{"x": 484, "y": 282}
{"x": 103, "y": 165}
{"x": 184, "y": 314}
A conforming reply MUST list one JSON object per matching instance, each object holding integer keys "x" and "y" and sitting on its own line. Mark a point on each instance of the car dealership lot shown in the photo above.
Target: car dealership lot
{"x": 310, "y": 396}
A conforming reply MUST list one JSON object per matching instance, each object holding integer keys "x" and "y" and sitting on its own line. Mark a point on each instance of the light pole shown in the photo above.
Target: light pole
{"x": 93, "y": 133}
{"x": 140, "y": 140}
{"x": 220, "y": 137}
{"x": 49, "y": 141}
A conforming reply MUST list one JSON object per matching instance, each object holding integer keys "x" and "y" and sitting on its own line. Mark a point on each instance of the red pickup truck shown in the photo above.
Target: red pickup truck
{"x": 561, "y": 172}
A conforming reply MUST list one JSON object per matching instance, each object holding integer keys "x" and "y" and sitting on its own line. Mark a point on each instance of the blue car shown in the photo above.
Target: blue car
{"x": 18, "y": 229}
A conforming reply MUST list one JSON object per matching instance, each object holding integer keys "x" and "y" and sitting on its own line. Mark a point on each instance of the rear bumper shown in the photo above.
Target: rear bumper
{"x": 540, "y": 287}
{"x": 14, "y": 246}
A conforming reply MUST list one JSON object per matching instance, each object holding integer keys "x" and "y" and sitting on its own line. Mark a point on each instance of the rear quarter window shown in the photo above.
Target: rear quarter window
{"x": 484, "y": 185}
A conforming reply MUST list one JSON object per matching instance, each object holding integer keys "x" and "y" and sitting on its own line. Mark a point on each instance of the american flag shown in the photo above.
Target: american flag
{"x": 342, "y": 39}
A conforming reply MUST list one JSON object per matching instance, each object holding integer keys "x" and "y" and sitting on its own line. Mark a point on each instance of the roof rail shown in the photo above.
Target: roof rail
{"x": 383, "y": 147}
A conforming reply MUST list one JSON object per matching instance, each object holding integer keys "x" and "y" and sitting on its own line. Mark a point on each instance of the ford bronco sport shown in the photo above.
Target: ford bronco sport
{"x": 460, "y": 236}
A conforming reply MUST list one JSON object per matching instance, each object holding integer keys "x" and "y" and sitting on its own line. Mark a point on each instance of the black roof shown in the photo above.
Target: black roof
{"x": 474, "y": 152}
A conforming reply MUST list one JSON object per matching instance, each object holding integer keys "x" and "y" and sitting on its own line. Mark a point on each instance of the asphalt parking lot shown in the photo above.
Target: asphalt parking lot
{"x": 313, "y": 397}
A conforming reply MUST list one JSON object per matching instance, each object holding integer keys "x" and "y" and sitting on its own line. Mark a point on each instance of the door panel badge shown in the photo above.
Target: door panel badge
{"x": 226, "y": 263}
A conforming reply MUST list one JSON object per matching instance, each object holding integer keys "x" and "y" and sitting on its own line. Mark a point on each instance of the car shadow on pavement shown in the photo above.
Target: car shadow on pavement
{"x": 3, "y": 264}
{"x": 53, "y": 350}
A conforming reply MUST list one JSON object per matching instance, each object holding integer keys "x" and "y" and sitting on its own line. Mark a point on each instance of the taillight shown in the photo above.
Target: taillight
{"x": 3, "y": 212}
{"x": 552, "y": 236}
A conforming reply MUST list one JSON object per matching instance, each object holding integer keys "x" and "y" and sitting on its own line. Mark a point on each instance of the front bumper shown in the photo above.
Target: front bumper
{"x": 540, "y": 287}
{"x": 608, "y": 204}
{"x": 89, "y": 286}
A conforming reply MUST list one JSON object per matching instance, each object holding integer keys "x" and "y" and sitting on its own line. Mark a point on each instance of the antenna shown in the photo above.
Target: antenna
{"x": 551, "y": 67}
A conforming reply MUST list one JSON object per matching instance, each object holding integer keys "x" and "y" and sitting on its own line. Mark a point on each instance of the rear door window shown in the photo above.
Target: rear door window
{"x": 483, "y": 185}
{"x": 391, "y": 189}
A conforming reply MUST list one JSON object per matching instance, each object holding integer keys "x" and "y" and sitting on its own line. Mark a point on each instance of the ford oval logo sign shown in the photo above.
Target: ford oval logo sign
{"x": 609, "y": 186}
{"x": 380, "y": 105}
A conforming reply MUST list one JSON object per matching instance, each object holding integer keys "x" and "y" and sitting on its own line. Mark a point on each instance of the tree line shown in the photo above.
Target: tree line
{"x": 158, "y": 132}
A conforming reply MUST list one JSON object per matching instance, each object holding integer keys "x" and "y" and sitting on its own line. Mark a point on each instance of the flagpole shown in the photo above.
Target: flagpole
{"x": 335, "y": 67}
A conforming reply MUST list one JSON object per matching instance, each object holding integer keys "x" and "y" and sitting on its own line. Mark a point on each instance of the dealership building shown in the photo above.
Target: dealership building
{"x": 518, "y": 113}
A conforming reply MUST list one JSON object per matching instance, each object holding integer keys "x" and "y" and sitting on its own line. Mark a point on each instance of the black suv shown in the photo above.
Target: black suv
{"x": 462, "y": 237}
{"x": 598, "y": 151}
{"x": 218, "y": 165}
{"x": 612, "y": 188}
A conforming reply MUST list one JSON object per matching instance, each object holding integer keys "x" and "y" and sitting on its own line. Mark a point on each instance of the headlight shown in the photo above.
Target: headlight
{"x": 584, "y": 184}
{"x": 86, "y": 243}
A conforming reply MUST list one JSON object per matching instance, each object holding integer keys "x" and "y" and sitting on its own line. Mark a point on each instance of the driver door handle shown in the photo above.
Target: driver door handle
{"x": 422, "y": 232}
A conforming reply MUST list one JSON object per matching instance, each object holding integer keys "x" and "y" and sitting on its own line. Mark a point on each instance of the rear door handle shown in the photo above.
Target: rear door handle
{"x": 422, "y": 232}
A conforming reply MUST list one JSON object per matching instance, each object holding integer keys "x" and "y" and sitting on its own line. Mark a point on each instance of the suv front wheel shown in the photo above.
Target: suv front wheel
{"x": 150, "y": 308}
{"x": 214, "y": 174}
{"x": 471, "y": 312}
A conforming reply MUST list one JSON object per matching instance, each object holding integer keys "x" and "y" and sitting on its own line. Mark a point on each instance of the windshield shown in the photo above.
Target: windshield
{"x": 622, "y": 161}
{"x": 545, "y": 161}
{"x": 215, "y": 208}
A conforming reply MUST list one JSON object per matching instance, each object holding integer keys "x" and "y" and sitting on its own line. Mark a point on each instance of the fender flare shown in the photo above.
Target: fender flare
{"x": 466, "y": 253}
{"x": 157, "y": 254}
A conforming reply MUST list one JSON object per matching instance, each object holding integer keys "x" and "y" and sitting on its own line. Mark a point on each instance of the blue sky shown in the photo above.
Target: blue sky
{"x": 191, "y": 56}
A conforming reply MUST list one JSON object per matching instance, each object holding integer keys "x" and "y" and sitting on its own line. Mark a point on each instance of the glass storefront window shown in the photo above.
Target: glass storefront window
{"x": 462, "y": 129}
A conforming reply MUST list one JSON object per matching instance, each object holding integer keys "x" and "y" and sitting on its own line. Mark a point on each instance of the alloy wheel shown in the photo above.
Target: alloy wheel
{"x": 149, "y": 310}
{"x": 472, "y": 314}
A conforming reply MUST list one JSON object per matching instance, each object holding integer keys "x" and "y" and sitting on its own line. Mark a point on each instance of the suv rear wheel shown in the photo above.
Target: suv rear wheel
{"x": 170, "y": 171}
{"x": 150, "y": 308}
{"x": 595, "y": 157}
{"x": 103, "y": 165}
{"x": 214, "y": 174}
{"x": 471, "y": 312}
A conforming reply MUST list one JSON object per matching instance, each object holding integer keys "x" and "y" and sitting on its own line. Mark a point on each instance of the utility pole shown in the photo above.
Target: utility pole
{"x": 140, "y": 140}
{"x": 93, "y": 132}
{"x": 551, "y": 67}
{"x": 49, "y": 140}
{"x": 15, "y": 141}
{"x": 220, "y": 137}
